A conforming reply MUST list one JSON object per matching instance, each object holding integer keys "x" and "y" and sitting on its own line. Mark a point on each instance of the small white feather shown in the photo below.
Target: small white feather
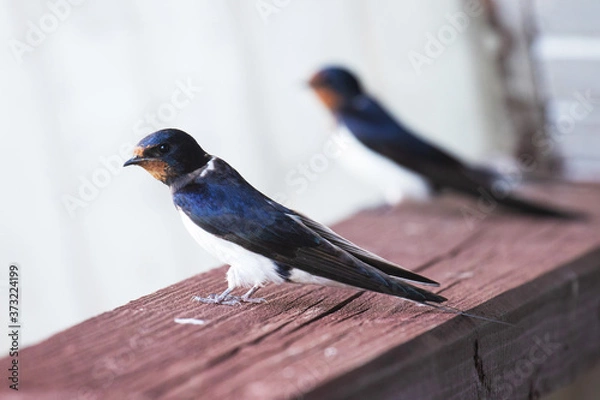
{"x": 210, "y": 166}
{"x": 189, "y": 321}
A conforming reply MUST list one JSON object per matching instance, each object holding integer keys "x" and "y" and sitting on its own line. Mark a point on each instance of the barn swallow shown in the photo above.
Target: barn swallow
{"x": 260, "y": 239}
{"x": 388, "y": 154}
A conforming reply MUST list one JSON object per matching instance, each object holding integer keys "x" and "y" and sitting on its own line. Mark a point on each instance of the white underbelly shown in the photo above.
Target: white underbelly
{"x": 394, "y": 182}
{"x": 246, "y": 268}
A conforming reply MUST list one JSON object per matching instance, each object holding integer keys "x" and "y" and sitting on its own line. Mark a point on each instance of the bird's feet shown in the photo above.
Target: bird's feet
{"x": 227, "y": 299}
{"x": 218, "y": 299}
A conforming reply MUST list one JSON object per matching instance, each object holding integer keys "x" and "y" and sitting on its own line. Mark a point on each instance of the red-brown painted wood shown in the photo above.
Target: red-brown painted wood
{"x": 542, "y": 275}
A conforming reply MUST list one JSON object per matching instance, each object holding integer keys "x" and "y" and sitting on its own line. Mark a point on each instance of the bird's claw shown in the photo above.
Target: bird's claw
{"x": 227, "y": 300}
{"x": 216, "y": 299}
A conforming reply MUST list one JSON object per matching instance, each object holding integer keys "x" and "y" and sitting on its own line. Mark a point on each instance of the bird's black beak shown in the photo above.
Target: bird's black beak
{"x": 138, "y": 157}
{"x": 133, "y": 161}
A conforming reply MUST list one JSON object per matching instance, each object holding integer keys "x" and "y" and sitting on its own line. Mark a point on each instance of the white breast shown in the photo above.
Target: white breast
{"x": 394, "y": 182}
{"x": 247, "y": 268}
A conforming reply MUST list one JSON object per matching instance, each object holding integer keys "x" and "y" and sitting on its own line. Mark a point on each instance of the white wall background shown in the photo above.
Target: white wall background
{"x": 90, "y": 86}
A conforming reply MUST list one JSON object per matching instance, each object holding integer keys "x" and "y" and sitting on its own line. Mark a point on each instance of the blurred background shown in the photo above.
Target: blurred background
{"x": 82, "y": 81}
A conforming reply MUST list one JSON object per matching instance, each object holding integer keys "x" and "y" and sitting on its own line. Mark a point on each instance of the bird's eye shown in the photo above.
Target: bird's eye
{"x": 164, "y": 148}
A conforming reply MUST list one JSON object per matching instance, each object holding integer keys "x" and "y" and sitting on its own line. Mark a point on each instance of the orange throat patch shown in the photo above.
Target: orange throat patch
{"x": 331, "y": 99}
{"x": 158, "y": 169}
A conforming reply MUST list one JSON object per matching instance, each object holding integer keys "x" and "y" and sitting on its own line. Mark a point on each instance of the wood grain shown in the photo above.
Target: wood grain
{"x": 541, "y": 275}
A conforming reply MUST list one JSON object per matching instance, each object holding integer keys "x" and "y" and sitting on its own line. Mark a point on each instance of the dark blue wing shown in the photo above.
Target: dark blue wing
{"x": 378, "y": 130}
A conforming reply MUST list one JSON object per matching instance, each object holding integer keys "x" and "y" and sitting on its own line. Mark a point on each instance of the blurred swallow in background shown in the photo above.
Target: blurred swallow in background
{"x": 260, "y": 239}
{"x": 390, "y": 156}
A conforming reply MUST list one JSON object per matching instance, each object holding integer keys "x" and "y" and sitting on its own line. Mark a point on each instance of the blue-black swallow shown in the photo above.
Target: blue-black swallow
{"x": 260, "y": 239}
{"x": 390, "y": 156}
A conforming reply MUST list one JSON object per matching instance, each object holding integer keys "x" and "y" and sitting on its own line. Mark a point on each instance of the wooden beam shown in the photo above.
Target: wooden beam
{"x": 541, "y": 275}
